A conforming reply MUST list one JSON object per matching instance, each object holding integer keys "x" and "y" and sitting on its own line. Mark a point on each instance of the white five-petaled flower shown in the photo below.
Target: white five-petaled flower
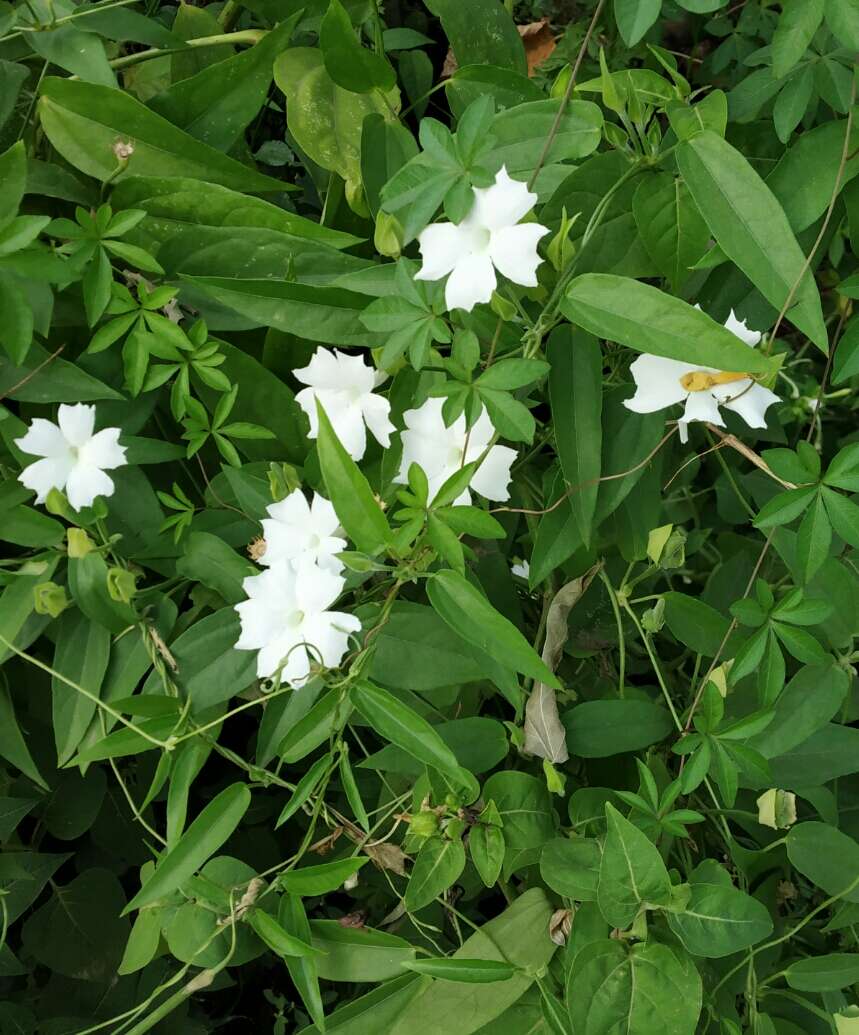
{"x": 296, "y": 530}
{"x": 286, "y": 619}
{"x": 73, "y": 458}
{"x": 488, "y": 239}
{"x": 344, "y": 385}
{"x": 661, "y": 382}
{"x": 441, "y": 451}
{"x": 521, "y": 568}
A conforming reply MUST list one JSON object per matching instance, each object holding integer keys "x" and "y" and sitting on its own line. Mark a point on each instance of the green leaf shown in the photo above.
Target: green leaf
{"x": 401, "y": 725}
{"x": 824, "y": 973}
{"x": 843, "y": 472}
{"x": 215, "y": 823}
{"x": 598, "y": 729}
{"x": 524, "y": 805}
{"x": 324, "y": 118}
{"x": 350, "y": 492}
{"x": 16, "y": 331}
{"x": 13, "y": 746}
{"x": 570, "y": 866}
{"x": 302, "y": 969}
{"x": 575, "y": 392}
{"x": 497, "y": 43}
{"x": 648, "y": 320}
{"x": 719, "y": 919}
{"x": 472, "y": 972}
{"x": 842, "y": 18}
{"x": 84, "y": 120}
{"x": 219, "y": 102}
{"x": 325, "y": 314}
{"x": 88, "y": 586}
{"x": 694, "y": 623}
{"x": 210, "y": 670}
{"x": 358, "y": 955}
{"x": 827, "y": 857}
{"x": 813, "y": 539}
{"x": 437, "y": 867}
{"x": 470, "y": 615}
{"x": 81, "y": 655}
{"x": 208, "y": 559}
{"x": 319, "y": 880}
{"x": 486, "y": 846}
{"x": 639, "y": 991}
{"x": 751, "y": 228}
{"x": 635, "y": 17}
{"x": 348, "y": 63}
{"x": 13, "y": 175}
{"x": 797, "y": 24}
{"x": 276, "y": 938}
{"x": 671, "y": 228}
{"x": 632, "y": 872}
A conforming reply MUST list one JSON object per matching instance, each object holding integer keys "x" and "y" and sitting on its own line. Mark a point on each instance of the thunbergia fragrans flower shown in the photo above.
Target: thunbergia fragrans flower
{"x": 441, "y": 451}
{"x": 286, "y": 619}
{"x": 488, "y": 239}
{"x": 74, "y": 459}
{"x": 661, "y": 382}
{"x": 296, "y": 530}
{"x": 344, "y": 385}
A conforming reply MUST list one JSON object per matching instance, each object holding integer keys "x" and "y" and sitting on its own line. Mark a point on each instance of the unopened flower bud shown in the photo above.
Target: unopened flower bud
{"x": 49, "y": 599}
{"x": 389, "y": 235}
{"x": 79, "y": 543}
{"x": 121, "y": 585}
{"x": 423, "y": 824}
{"x": 123, "y": 150}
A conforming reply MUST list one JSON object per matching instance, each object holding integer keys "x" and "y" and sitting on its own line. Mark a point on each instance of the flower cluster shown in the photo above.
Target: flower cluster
{"x": 286, "y": 617}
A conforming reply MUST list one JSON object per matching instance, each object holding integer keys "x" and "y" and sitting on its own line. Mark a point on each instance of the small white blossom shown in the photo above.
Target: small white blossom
{"x": 296, "y": 530}
{"x": 521, "y": 568}
{"x": 661, "y": 382}
{"x": 441, "y": 451}
{"x": 74, "y": 459}
{"x": 344, "y": 385}
{"x": 488, "y": 239}
{"x": 286, "y": 619}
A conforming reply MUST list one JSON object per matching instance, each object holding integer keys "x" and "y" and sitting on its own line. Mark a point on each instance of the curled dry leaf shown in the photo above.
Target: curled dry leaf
{"x": 545, "y": 736}
{"x": 388, "y": 856}
{"x": 560, "y": 925}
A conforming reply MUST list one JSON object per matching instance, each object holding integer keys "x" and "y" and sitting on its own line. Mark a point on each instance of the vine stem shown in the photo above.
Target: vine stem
{"x": 565, "y": 100}
{"x": 243, "y": 36}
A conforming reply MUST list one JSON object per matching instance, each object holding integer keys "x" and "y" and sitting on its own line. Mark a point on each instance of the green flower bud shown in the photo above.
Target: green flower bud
{"x": 121, "y": 585}
{"x": 389, "y": 235}
{"x": 49, "y": 599}
{"x": 423, "y": 824}
{"x": 79, "y": 543}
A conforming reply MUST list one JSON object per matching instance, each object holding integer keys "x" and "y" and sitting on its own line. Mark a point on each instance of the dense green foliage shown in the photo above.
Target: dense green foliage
{"x": 574, "y": 756}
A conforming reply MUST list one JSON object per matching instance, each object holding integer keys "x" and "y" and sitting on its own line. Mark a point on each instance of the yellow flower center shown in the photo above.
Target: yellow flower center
{"x": 702, "y": 380}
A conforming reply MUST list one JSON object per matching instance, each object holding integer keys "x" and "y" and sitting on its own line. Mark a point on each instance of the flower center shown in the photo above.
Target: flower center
{"x": 75, "y": 453}
{"x": 313, "y": 542}
{"x": 294, "y": 619}
{"x": 481, "y": 238}
{"x": 702, "y": 380}
{"x": 455, "y": 456}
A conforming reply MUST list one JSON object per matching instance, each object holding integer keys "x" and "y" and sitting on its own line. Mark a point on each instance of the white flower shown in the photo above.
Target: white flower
{"x": 442, "y": 451}
{"x": 521, "y": 568}
{"x": 661, "y": 382}
{"x": 286, "y": 619}
{"x": 344, "y": 386}
{"x": 295, "y": 531}
{"x": 75, "y": 459}
{"x": 488, "y": 239}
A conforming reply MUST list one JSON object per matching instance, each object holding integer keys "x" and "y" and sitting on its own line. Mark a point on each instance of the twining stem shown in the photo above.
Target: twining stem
{"x": 244, "y": 36}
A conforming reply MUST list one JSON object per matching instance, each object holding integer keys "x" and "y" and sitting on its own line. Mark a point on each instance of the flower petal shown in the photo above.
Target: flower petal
{"x": 513, "y": 251}
{"x": 103, "y": 450}
{"x": 76, "y": 422}
{"x": 85, "y": 483}
{"x": 442, "y": 246}
{"x": 703, "y": 406}
{"x": 323, "y": 516}
{"x": 503, "y": 204}
{"x": 752, "y": 405}
{"x": 315, "y": 588}
{"x": 472, "y": 281}
{"x": 739, "y": 328}
{"x": 43, "y": 438}
{"x": 47, "y": 474}
{"x": 657, "y": 383}
{"x": 376, "y": 410}
{"x": 492, "y": 478}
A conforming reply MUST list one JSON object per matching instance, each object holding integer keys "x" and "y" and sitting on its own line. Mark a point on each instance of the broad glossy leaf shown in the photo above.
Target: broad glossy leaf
{"x": 83, "y": 121}
{"x": 827, "y": 857}
{"x": 570, "y": 866}
{"x": 472, "y": 972}
{"x": 319, "y": 880}
{"x": 671, "y": 227}
{"x": 575, "y": 391}
{"x": 635, "y": 17}
{"x": 358, "y": 955}
{"x": 597, "y": 729}
{"x": 824, "y": 973}
{"x": 81, "y": 655}
{"x": 796, "y": 27}
{"x": 497, "y": 43}
{"x": 471, "y": 616}
{"x": 350, "y": 492}
{"x": 651, "y": 321}
{"x": 720, "y": 919}
{"x": 351, "y": 66}
{"x": 751, "y": 228}
{"x": 632, "y": 872}
{"x": 651, "y": 988}
{"x": 211, "y": 828}
{"x": 437, "y": 867}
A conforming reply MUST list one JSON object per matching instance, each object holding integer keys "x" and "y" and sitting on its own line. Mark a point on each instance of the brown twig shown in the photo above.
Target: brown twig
{"x": 749, "y": 454}
{"x": 29, "y": 377}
